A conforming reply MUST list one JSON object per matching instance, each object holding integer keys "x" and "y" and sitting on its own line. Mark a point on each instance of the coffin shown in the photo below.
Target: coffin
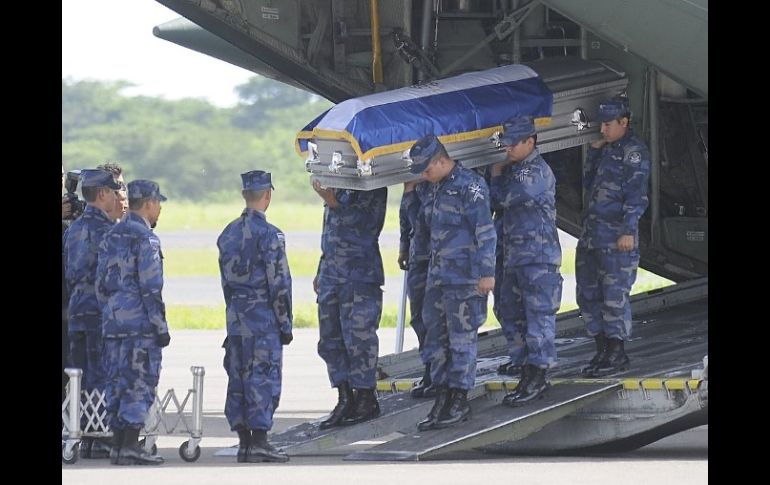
{"x": 363, "y": 143}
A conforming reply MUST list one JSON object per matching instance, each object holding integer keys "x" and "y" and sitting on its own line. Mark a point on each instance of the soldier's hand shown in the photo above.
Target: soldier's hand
{"x": 497, "y": 169}
{"x": 66, "y": 208}
{"x": 626, "y": 243}
{"x": 315, "y": 284}
{"x": 323, "y": 192}
{"x": 326, "y": 194}
{"x": 598, "y": 143}
{"x": 163, "y": 339}
{"x": 286, "y": 338}
{"x": 409, "y": 186}
{"x": 403, "y": 260}
{"x": 486, "y": 284}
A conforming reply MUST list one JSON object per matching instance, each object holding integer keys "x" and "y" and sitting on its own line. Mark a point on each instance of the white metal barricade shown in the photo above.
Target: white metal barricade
{"x": 167, "y": 413}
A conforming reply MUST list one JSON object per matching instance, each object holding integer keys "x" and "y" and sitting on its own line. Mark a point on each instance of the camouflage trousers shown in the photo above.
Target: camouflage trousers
{"x": 86, "y": 352}
{"x": 501, "y": 307}
{"x": 452, "y": 316}
{"x": 65, "y": 354}
{"x": 416, "y": 281}
{"x": 604, "y": 279}
{"x": 348, "y": 319}
{"x": 253, "y": 366}
{"x": 530, "y": 297}
{"x": 133, "y": 370}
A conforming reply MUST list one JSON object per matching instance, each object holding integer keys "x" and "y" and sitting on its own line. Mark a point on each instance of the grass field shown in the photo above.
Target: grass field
{"x": 203, "y": 262}
{"x": 288, "y": 216}
{"x": 305, "y": 315}
{"x": 293, "y": 217}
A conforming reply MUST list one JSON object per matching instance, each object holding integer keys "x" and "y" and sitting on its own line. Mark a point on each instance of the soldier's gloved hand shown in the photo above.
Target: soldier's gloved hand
{"x": 163, "y": 339}
{"x": 403, "y": 261}
{"x": 286, "y": 338}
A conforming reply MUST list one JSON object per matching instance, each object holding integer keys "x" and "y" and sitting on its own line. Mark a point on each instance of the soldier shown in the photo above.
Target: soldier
{"x": 256, "y": 283}
{"x": 130, "y": 282}
{"x": 525, "y": 187}
{"x": 66, "y": 209}
{"x": 348, "y": 284}
{"x": 413, "y": 255}
{"x": 81, "y": 245}
{"x": 502, "y": 307}
{"x": 460, "y": 275}
{"x": 121, "y": 206}
{"x": 615, "y": 182}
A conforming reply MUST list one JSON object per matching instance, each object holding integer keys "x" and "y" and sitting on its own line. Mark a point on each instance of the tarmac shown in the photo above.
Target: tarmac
{"x": 680, "y": 459}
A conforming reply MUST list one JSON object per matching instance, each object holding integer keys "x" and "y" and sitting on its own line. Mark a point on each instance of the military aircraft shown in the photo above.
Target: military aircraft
{"x": 343, "y": 49}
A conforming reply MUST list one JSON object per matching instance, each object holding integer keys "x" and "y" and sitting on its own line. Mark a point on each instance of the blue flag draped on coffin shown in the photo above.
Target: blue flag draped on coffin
{"x": 465, "y": 107}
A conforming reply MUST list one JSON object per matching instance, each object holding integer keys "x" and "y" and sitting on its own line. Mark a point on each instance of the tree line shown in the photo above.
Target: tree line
{"x": 195, "y": 150}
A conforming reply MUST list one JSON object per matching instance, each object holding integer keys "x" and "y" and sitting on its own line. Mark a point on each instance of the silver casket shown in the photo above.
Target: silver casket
{"x": 363, "y": 143}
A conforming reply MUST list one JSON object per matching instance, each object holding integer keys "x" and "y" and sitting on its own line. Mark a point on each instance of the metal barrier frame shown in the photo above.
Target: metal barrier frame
{"x": 95, "y": 427}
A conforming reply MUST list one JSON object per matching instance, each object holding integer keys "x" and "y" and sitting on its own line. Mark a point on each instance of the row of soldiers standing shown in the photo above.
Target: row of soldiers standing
{"x": 456, "y": 254}
{"x": 117, "y": 319}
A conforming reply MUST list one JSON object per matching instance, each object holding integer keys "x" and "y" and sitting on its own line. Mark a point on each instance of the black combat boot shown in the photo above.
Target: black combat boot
{"x": 117, "y": 442}
{"x": 614, "y": 360}
{"x": 457, "y": 409}
{"x": 601, "y": 349}
{"x": 442, "y": 398}
{"x": 366, "y": 407}
{"x": 100, "y": 448}
{"x": 244, "y": 441}
{"x": 261, "y": 450}
{"x": 344, "y": 405}
{"x": 132, "y": 454}
{"x": 532, "y": 389}
{"x": 519, "y": 387}
{"x": 424, "y": 388}
{"x": 509, "y": 369}
{"x": 85, "y": 447}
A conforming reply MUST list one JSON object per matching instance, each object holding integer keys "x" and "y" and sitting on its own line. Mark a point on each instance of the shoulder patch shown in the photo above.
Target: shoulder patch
{"x": 634, "y": 157}
{"x": 521, "y": 174}
{"x": 475, "y": 189}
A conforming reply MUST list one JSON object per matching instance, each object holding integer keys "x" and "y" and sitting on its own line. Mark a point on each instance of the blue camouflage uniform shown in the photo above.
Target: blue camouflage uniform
{"x": 531, "y": 251}
{"x": 256, "y": 283}
{"x": 462, "y": 245}
{"x": 350, "y": 278}
{"x": 615, "y": 181}
{"x": 415, "y": 239}
{"x": 81, "y": 247}
{"x": 502, "y": 306}
{"x": 130, "y": 282}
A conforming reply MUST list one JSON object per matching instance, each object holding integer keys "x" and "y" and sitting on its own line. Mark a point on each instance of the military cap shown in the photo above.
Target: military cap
{"x": 517, "y": 129}
{"x": 94, "y": 177}
{"x": 423, "y": 151}
{"x": 613, "y": 109}
{"x": 139, "y": 189}
{"x": 257, "y": 180}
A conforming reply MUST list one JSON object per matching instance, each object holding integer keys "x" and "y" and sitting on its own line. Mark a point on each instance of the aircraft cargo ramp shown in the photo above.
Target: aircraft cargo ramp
{"x": 664, "y": 392}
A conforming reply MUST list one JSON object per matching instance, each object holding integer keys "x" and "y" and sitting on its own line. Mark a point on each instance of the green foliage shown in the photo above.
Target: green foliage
{"x": 195, "y": 150}
{"x": 264, "y": 101}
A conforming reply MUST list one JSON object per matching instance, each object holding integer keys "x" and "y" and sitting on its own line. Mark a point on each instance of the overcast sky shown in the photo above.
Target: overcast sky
{"x": 112, "y": 40}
